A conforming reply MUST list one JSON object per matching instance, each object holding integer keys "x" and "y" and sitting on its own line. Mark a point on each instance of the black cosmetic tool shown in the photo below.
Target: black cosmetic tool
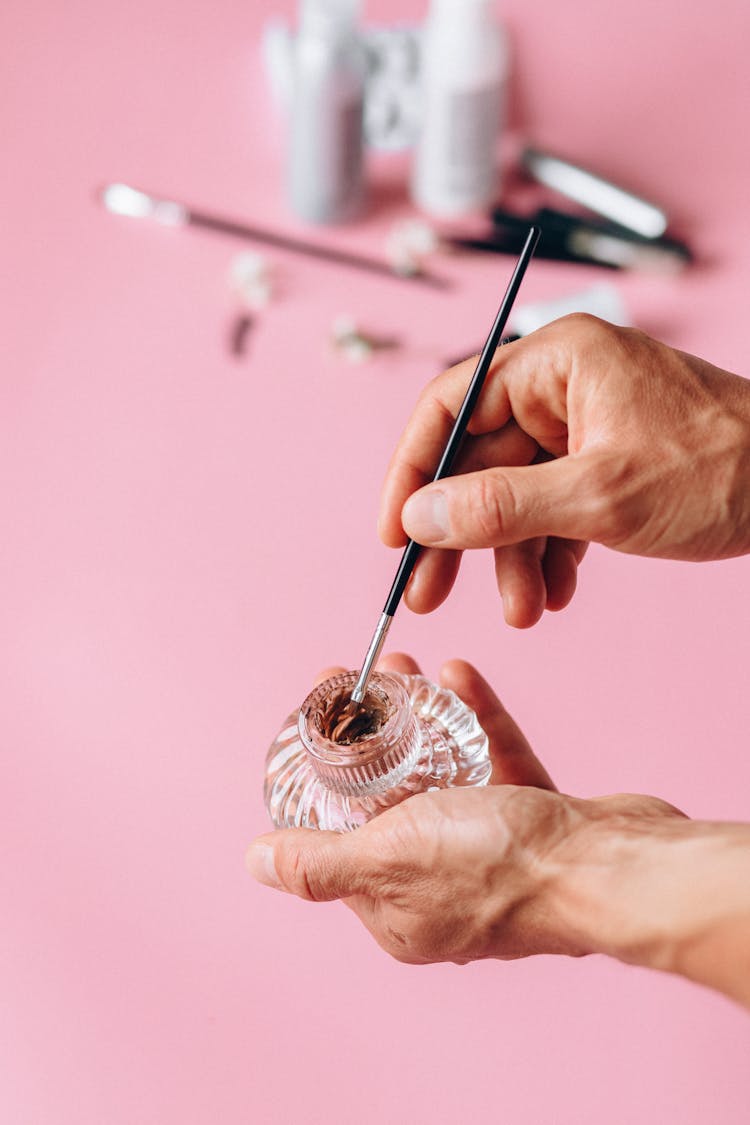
{"x": 411, "y": 552}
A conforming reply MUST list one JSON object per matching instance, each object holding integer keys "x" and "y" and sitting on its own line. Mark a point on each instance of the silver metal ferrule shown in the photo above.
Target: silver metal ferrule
{"x": 373, "y": 652}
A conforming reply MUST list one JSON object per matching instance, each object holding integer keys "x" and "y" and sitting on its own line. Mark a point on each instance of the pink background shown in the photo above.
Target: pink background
{"x": 168, "y": 589}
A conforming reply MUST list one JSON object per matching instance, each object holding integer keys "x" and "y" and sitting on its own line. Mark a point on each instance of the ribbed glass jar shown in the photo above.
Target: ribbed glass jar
{"x": 430, "y": 739}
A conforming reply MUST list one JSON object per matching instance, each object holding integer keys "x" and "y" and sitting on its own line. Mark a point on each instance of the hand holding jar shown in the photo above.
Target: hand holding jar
{"x": 516, "y": 868}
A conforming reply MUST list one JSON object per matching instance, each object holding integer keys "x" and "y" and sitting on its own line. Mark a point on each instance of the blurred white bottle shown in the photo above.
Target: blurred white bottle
{"x": 463, "y": 91}
{"x": 325, "y": 157}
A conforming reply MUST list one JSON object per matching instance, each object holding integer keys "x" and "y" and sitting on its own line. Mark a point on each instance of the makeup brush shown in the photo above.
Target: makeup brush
{"x": 121, "y": 199}
{"x": 411, "y": 553}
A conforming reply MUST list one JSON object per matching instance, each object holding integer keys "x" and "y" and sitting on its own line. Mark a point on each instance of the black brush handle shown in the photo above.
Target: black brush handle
{"x": 411, "y": 552}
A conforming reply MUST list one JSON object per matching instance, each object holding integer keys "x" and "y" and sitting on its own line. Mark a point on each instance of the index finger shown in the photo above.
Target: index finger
{"x": 526, "y": 381}
{"x": 421, "y": 445}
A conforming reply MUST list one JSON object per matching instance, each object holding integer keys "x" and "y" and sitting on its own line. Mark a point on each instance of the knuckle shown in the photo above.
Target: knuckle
{"x": 612, "y": 497}
{"x": 491, "y": 509}
{"x": 301, "y": 877}
{"x": 585, "y": 328}
{"x": 432, "y": 397}
{"x": 657, "y": 807}
{"x": 396, "y": 938}
{"x": 580, "y": 322}
{"x": 585, "y": 339}
{"x": 622, "y": 808}
{"x": 401, "y": 947}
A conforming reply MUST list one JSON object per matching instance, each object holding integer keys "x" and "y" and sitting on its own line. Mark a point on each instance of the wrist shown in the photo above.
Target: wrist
{"x": 600, "y": 887}
{"x": 615, "y": 874}
{"x": 640, "y": 882}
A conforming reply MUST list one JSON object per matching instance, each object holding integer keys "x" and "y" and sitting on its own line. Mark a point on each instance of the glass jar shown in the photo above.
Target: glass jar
{"x": 428, "y": 739}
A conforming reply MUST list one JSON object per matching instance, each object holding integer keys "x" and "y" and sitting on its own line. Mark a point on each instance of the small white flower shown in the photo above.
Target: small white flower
{"x": 251, "y": 279}
{"x": 410, "y": 241}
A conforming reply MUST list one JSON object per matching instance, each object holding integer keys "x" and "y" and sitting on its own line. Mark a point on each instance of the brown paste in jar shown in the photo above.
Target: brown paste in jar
{"x": 343, "y": 721}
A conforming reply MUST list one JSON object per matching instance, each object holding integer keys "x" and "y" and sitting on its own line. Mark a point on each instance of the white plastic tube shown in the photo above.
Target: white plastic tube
{"x": 601, "y": 300}
{"x": 463, "y": 80}
{"x": 325, "y": 158}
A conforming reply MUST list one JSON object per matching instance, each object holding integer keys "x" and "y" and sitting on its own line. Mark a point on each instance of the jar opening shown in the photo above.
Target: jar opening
{"x": 381, "y": 744}
{"x": 337, "y": 731}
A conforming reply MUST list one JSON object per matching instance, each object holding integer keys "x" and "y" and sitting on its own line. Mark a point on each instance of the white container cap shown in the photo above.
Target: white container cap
{"x": 460, "y": 8}
{"x": 328, "y": 17}
{"x": 601, "y": 300}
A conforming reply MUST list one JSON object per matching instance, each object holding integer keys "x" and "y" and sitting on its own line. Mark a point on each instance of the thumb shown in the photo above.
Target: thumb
{"x": 500, "y": 506}
{"x": 318, "y": 866}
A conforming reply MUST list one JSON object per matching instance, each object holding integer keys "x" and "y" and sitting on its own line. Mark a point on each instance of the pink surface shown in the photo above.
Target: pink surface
{"x": 168, "y": 590}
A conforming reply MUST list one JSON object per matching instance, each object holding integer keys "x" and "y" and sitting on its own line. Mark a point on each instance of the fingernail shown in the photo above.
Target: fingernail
{"x": 425, "y": 516}
{"x": 260, "y": 864}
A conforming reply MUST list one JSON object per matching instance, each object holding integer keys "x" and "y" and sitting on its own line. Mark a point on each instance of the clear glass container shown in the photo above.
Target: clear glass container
{"x": 427, "y": 739}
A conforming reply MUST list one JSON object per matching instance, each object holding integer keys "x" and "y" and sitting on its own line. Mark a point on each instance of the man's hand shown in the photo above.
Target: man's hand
{"x": 448, "y": 875}
{"x": 517, "y": 868}
{"x": 637, "y": 446}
